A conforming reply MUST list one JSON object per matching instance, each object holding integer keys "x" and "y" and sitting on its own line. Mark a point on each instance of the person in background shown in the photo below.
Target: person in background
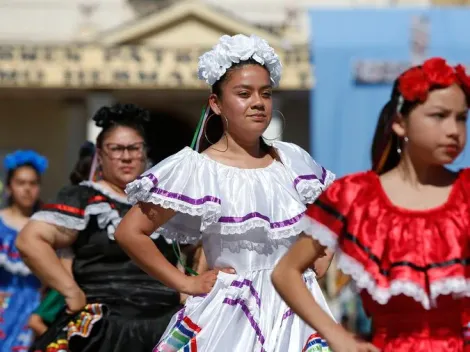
{"x": 20, "y": 290}
{"x": 243, "y": 199}
{"x": 111, "y": 304}
{"x": 53, "y": 302}
{"x": 402, "y": 229}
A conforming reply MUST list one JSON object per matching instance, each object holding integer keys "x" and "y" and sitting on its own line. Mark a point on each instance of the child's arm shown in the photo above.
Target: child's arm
{"x": 287, "y": 279}
{"x": 321, "y": 265}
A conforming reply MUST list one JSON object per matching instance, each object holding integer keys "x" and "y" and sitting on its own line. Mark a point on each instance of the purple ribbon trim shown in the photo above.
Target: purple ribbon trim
{"x": 248, "y": 283}
{"x": 287, "y": 314}
{"x": 234, "y": 302}
{"x": 311, "y": 177}
{"x": 273, "y": 225}
{"x": 223, "y": 219}
{"x": 182, "y": 197}
{"x": 180, "y": 315}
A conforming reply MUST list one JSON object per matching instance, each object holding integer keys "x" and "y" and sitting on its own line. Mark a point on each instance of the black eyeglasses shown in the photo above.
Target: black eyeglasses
{"x": 116, "y": 151}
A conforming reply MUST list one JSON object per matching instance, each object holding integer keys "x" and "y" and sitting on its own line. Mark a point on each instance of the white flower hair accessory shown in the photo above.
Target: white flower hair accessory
{"x": 214, "y": 63}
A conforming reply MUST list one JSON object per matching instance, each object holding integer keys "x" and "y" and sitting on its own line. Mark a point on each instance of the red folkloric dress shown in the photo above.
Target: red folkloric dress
{"x": 412, "y": 266}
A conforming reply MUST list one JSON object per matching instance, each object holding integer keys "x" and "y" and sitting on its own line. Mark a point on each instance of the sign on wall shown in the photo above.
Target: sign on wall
{"x": 122, "y": 67}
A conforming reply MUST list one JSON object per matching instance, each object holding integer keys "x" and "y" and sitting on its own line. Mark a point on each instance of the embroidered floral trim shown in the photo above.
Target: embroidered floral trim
{"x": 81, "y": 326}
{"x": 315, "y": 343}
{"x": 61, "y": 345}
{"x": 181, "y": 336}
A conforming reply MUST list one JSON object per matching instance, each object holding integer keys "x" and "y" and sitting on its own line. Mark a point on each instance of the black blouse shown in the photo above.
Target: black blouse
{"x": 101, "y": 268}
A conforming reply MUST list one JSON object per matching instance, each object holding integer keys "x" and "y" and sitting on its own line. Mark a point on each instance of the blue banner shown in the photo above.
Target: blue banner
{"x": 356, "y": 55}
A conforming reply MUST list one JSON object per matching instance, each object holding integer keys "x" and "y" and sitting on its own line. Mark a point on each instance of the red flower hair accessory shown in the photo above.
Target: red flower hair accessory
{"x": 415, "y": 83}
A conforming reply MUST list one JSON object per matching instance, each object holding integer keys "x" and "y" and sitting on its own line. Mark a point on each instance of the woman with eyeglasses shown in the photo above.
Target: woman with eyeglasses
{"x": 111, "y": 304}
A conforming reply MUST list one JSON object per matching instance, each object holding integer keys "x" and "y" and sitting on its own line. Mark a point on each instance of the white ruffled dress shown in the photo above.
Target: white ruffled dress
{"x": 246, "y": 219}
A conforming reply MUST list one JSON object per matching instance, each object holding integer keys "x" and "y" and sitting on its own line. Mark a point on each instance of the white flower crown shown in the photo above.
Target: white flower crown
{"x": 214, "y": 63}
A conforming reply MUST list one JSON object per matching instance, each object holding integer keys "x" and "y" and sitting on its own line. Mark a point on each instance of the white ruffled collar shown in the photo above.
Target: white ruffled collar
{"x": 220, "y": 165}
{"x": 228, "y": 200}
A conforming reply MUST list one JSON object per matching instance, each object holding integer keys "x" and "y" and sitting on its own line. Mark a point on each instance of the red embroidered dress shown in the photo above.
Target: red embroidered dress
{"x": 412, "y": 266}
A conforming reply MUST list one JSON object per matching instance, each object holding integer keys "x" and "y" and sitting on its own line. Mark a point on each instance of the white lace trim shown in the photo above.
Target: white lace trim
{"x": 320, "y": 232}
{"x": 264, "y": 248}
{"x": 106, "y": 217}
{"x": 105, "y": 191}
{"x": 58, "y": 219}
{"x": 364, "y": 280}
{"x": 183, "y": 238}
{"x": 274, "y": 233}
{"x": 188, "y": 193}
{"x": 210, "y": 213}
{"x": 310, "y": 190}
{"x": 140, "y": 191}
{"x": 458, "y": 286}
{"x": 17, "y": 268}
{"x": 451, "y": 285}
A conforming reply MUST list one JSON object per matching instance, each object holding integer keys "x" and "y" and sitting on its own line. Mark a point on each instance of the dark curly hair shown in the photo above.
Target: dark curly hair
{"x": 120, "y": 115}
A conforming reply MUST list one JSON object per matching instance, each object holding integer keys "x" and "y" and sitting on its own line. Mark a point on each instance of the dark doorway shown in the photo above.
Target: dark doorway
{"x": 167, "y": 135}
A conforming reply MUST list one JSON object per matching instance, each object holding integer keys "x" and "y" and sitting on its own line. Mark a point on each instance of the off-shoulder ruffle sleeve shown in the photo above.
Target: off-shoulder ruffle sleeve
{"x": 75, "y": 205}
{"x": 211, "y": 197}
{"x": 389, "y": 250}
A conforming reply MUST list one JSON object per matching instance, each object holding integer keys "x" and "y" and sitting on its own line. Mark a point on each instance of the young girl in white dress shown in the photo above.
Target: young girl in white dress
{"x": 244, "y": 199}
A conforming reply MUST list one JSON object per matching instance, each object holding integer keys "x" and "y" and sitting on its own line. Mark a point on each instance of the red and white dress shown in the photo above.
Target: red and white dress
{"x": 412, "y": 266}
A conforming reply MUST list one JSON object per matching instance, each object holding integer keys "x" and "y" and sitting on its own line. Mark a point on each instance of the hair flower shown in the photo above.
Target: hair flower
{"x": 415, "y": 84}
{"x": 215, "y": 63}
{"x": 25, "y": 157}
{"x": 438, "y": 72}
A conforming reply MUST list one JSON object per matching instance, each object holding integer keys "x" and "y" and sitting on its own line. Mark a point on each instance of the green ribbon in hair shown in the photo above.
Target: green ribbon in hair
{"x": 194, "y": 145}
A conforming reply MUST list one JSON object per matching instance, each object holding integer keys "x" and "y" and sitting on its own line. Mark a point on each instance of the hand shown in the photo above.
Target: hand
{"x": 346, "y": 342}
{"x": 3, "y": 297}
{"x": 37, "y": 325}
{"x": 75, "y": 300}
{"x": 203, "y": 283}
